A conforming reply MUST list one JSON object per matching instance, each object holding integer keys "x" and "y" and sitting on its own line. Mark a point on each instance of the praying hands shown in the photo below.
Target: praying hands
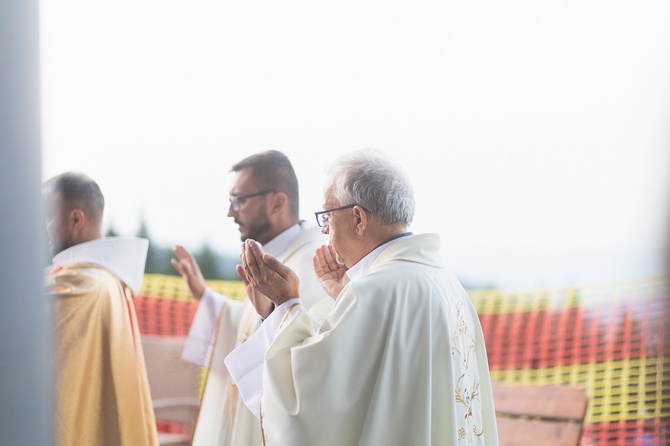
{"x": 330, "y": 272}
{"x": 264, "y": 274}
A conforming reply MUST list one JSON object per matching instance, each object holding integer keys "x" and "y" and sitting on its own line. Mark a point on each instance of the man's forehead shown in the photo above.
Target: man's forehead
{"x": 329, "y": 200}
{"x": 243, "y": 182}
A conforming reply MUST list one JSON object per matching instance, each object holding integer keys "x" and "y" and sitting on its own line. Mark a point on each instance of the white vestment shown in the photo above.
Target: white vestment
{"x": 221, "y": 324}
{"x": 400, "y": 360}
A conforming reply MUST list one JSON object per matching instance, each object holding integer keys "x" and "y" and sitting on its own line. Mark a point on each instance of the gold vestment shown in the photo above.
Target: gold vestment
{"x": 102, "y": 394}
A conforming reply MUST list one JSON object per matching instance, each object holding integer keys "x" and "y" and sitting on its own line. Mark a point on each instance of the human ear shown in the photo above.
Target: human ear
{"x": 361, "y": 219}
{"x": 279, "y": 200}
{"x": 77, "y": 219}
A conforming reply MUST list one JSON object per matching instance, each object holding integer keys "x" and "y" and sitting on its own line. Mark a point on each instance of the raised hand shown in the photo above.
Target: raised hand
{"x": 263, "y": 305}
{"x": 268, "y": 275}
{"x": 329, "y": 271}
{"x": 189, "y": 270}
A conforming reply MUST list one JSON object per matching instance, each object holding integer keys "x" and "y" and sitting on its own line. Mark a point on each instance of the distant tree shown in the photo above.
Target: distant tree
{"x": 227, "y": 267}
{"x": 208, "y": 262}
{"x": 111, "y": 231}
{"x": 143, "y": 230}
{"x": 213, "y": 266}
{"x": 158, "y": 257}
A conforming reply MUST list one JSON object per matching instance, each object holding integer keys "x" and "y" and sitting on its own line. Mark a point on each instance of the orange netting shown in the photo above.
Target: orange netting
{"x": 613, "y": 340}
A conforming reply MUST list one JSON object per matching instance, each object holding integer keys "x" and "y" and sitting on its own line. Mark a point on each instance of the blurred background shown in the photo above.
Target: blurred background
{"x": 536, "y": 134}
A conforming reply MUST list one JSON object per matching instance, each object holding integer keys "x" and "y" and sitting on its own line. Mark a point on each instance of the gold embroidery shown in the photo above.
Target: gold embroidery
{"x": 281, "y": 324}
{"x": 466, "y": 389}
{"x": 462, "y": 326}
{"x": 260, "y": 411}
{"x": 209, "y": 368}
{"x": 474, "y": 430}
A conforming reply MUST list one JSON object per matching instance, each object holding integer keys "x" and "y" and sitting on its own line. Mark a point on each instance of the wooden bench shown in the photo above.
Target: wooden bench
{"x": 547, "y": 415}
{"x": 174, "y": 387}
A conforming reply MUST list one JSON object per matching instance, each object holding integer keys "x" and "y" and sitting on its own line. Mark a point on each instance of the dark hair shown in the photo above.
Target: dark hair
{"x": 273, "y": 170}
{"x": 77, "y": 190}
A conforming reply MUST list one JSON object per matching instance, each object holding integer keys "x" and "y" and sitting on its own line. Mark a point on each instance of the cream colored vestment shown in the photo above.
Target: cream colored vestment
{"x": 102, "y": 394}
{"x": 400, "y": 360}
{"x": 223, "y": 418}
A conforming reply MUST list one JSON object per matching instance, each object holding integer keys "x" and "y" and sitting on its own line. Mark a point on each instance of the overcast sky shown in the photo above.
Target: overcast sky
{"x": 536, "y": 134}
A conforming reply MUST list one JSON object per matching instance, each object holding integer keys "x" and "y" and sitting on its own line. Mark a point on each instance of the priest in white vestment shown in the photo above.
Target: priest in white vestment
{"x": 399, "y": 360}
{"x": 264, "y": 203}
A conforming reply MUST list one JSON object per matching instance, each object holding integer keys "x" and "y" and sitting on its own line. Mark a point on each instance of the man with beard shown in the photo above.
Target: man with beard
{"x": 264, "y": 205}
{"x": 101, "y": 387}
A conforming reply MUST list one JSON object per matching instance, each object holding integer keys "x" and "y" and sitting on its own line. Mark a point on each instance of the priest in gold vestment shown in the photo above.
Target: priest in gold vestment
{"x": 399, "y": 360}
{"x": 102, "y": 394}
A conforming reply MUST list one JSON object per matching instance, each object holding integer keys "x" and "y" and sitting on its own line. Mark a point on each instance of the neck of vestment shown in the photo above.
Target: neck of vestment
{"x": 123, "y": 256}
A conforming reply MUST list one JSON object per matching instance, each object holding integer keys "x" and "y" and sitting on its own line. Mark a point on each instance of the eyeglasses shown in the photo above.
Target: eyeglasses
{"x": 322, "y": 217}
{"x": 237, "y": 201}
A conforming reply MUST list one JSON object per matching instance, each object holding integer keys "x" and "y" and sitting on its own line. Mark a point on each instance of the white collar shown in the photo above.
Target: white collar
{"x": 280, "y": 243}
{"x": 124, "y": 256}
{"x": 363, "y": 265}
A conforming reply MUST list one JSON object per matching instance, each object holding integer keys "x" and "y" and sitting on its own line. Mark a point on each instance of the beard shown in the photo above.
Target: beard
{"x": 256, "y": 227}
{"x": 57, "y": 245}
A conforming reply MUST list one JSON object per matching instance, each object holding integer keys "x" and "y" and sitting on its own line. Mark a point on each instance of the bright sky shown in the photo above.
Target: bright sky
{"x": 536, "y": 133}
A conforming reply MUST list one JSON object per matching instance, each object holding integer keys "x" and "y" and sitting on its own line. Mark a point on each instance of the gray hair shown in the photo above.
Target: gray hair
{"x": 369, "y": 179}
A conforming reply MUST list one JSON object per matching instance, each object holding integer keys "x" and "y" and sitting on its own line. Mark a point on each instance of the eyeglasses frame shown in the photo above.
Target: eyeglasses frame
{"x": 235, "y": 199}
{"x": 349, "y": 206}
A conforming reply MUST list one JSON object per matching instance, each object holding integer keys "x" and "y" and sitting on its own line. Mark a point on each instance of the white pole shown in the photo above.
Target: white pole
{"x": 25, "y": 325}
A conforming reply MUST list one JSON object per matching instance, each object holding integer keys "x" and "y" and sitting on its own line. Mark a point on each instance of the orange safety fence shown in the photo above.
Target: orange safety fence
{"x": 613, "y": 340}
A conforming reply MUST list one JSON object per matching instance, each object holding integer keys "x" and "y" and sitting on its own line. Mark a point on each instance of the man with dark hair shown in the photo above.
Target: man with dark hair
{"x": 264, "y": 205}
{"x": 102, "y": 391}
{"x": 272, "y": 169}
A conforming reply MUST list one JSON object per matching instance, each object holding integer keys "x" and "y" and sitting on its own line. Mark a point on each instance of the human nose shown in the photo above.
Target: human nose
{"x": 231, "y": 212}
{"x": 325, "y": 229}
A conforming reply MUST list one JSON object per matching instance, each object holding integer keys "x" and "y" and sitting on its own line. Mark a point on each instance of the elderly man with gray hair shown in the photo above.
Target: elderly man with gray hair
{"x": 400, "y": 358}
